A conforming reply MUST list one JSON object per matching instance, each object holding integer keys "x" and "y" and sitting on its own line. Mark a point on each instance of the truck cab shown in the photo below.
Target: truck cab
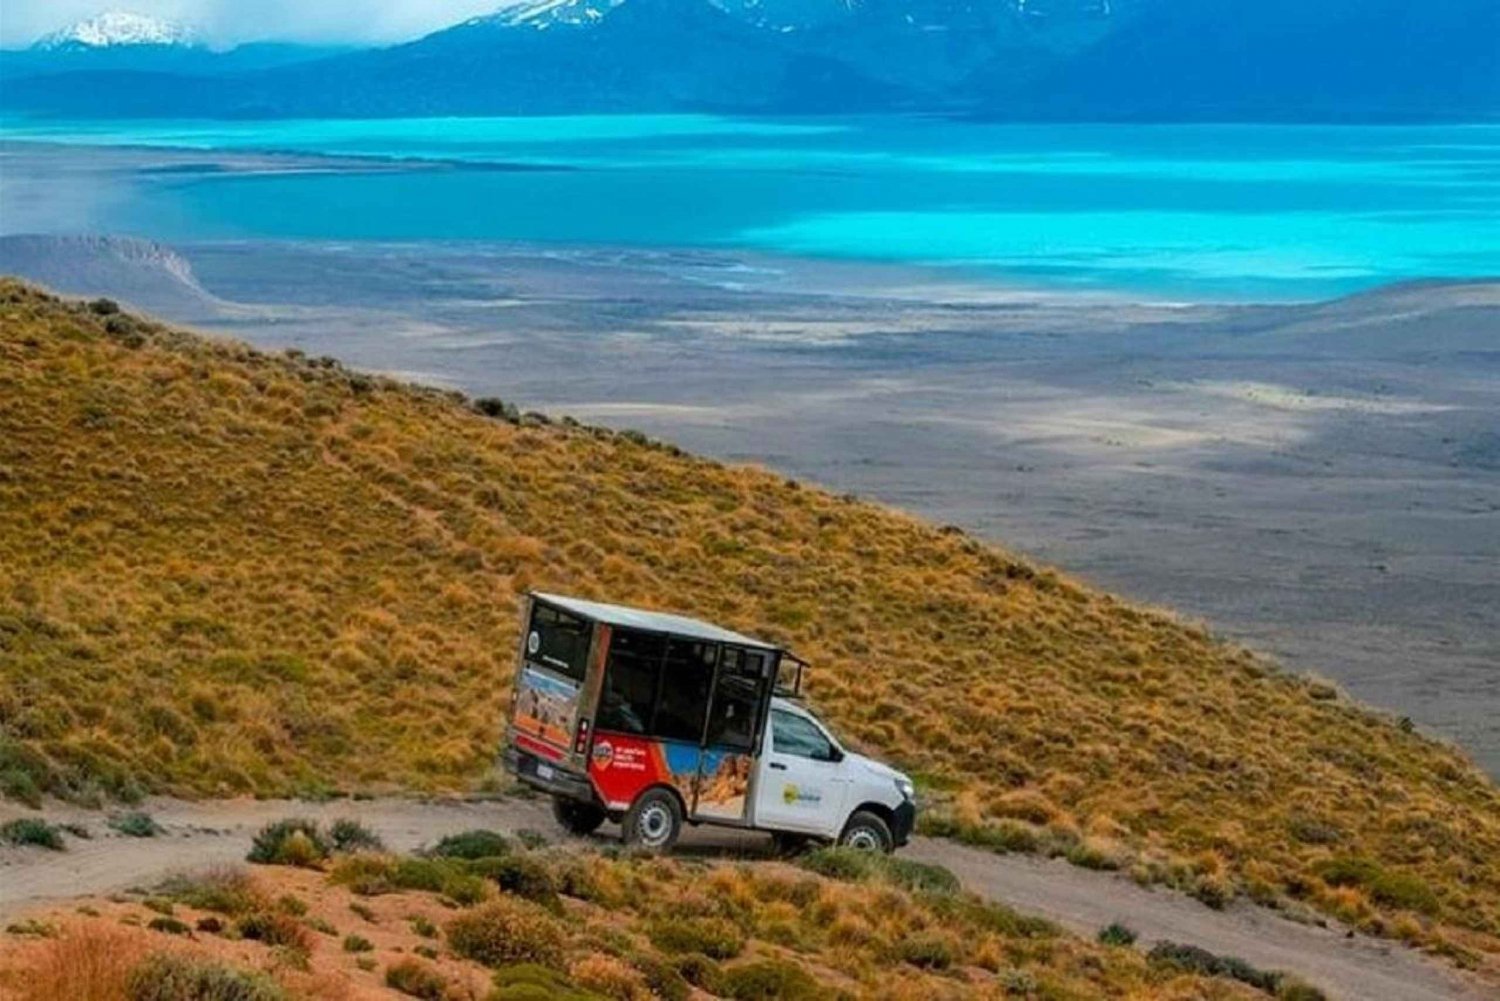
{"x": 656, "y": 721}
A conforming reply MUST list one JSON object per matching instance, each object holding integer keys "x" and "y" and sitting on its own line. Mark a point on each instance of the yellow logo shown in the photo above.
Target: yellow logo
{"x": 789, "y": 794}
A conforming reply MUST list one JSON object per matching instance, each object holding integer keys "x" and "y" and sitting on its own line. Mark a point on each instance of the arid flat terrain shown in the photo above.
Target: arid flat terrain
{"x": 1321, "y": 481}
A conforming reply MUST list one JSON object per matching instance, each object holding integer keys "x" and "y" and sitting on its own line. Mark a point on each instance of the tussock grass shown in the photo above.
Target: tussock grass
{"x": 226, "y": 572}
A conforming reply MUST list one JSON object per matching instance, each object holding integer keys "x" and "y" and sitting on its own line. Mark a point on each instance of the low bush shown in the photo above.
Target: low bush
{"x": 769, "y": 980}
{"x": 531, "y": 982}
{"x": 928, "y": 950}
{"x": 352, "y": 836}
{"x": 609, "y": 976}
{"x": 1389, "y": 888}
{"x": 1191, "y": 959}
{"x": 701, "y": 971}
{"x": 31, "y": 831}
{"x": 293, "y": 841}
{"x": 507, "y": 930}
{"x": 1117, "y": 934}
{"x": 417, "y": 979}
{"x": 274, "y": 929}
{"x": 223, "y": 890}
{"x": 521, "y": 875}
{"x": 358, "y": 943}
{"x": 135, "y": 824}
{"x": 471, "y": 845}
{"x": 664, "y": 979}
{"x": 715, "y": 938}
{"x": 170, "y": 925}
{"x": 173, "y": 977}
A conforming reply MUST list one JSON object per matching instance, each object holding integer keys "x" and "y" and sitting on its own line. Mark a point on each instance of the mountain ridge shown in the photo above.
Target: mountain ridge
{"x": 1023, "y": 59}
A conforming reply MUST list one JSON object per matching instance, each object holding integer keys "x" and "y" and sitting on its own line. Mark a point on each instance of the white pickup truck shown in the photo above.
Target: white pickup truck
{"x": 657, "y": 721}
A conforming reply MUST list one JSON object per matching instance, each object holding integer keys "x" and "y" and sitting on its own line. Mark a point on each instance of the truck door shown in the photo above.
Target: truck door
{"x": 801, "y": 785}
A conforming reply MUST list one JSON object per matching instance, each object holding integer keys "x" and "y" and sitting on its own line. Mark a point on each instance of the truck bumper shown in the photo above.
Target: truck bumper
{"x": 903, "y": 821}
{"x": 560, "y": 782}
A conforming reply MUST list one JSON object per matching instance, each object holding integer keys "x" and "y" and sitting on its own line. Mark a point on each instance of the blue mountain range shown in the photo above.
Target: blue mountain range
{"x": 1273, "y": 60}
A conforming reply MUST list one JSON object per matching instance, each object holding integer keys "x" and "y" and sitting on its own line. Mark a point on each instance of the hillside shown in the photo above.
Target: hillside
{"x": 226, "y": 572}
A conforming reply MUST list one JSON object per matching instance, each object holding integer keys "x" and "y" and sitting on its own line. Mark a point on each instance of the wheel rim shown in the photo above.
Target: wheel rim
{"x": 655, "y": 825}
{"x": 865, "y": 839}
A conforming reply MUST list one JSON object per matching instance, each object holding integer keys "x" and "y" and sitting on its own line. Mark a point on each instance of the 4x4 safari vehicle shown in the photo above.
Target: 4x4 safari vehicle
{"x": 656, "y": 720}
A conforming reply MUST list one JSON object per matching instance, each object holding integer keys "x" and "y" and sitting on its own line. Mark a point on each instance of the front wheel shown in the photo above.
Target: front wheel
{"x": 654, "y": 821}
{"x": 868, "y": 832}
{"x": 577, "y": 818}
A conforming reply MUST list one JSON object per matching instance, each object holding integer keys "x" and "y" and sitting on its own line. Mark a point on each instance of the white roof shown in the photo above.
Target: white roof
{"x": 658, "y": 622}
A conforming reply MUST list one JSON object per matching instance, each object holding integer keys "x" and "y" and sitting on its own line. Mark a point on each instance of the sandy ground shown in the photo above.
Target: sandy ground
{"x": 1349, "y": 967}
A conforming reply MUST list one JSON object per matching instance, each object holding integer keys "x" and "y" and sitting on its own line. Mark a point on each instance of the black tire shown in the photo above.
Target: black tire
{"x": 577, "y": 818}
{"x": 654, "y": 821}
{"x": 869, "y": 832}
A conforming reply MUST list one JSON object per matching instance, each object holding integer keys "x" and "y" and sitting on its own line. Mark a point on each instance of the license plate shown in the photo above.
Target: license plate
{"x": 545, "y": 771}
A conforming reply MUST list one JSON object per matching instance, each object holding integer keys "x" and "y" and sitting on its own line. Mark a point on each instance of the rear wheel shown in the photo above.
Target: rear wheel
{"x": 654, "y": 821}
{"x": 575, "y": 817}
{"x": 868, "y": 832}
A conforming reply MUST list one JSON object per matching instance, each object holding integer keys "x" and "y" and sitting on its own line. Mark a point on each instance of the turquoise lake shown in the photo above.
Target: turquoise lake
{"x": 1193, "y": 212}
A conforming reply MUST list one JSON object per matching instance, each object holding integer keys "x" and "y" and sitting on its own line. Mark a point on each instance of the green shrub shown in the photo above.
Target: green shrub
{"x": 713, "y": 937}
{"x": 31, "y": 831}
{"x": 224, "y": 890}
{"x": 169, "y": 925}
{"x": 471, "y": 845}
{"x": 920, "y": 877}
{"x": 416, "y": 979}
{"x": 664, "y": 979}
{"x": 507, "y": 930}
{"x": 358, "y": 943}
{"x": 531, "y": 982}
{"x": 700, "y": 971}
{"x": 1191, "y": 959}
{"x": 135, "y": 824}
{"x": 769, "y": 980}
{"x": 1296, "y": 990}
{"x": 352, "y": 836}
{"x": 273, "y": 929}
{"x": 1388, "y": 888}
{"x": 928, "y": 950}
{"x": 1117, "y": 934}
{"x": 847, "y": 864}
{"x": 522, "y": 875}
{"x": 293, "y": 841}
{"x": 423, "y": 927}
{"x": 170, "y": 977}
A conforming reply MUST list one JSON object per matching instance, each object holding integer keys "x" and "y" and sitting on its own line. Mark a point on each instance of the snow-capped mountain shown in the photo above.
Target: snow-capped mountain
{"x": 117, "y": 28}
{"x": 543, "y": 14}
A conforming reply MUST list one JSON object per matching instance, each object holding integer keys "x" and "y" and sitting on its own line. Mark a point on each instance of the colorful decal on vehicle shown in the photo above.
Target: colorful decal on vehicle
{"x": 723, "y": 785}
{"x": 622, "y": 767}
{"x": 545, "y": 707}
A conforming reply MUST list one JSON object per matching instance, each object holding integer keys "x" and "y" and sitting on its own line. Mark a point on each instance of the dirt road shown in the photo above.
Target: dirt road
{"x": 1349, "y": 968}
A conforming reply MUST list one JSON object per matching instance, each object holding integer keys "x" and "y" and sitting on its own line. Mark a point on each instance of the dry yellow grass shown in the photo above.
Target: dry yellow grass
{"x": 222, "y": 571}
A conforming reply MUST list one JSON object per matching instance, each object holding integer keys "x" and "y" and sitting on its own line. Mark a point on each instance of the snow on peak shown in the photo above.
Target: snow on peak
{"x": 117, "y": 27}
{"x": 543, "y": 14}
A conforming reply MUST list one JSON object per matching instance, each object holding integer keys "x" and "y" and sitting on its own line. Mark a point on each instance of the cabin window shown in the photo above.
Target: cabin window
{"x": 559, "y": 642}
{"x": 628, "y": 699}
{"x": 738, "y": 694}
{"x": 686, "y": 677}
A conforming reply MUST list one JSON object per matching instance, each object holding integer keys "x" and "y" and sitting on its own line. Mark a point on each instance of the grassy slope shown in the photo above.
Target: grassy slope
{"x": 222, "y": 572}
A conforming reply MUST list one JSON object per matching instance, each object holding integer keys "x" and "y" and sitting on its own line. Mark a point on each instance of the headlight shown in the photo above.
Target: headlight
{"x": 906, "y": 789}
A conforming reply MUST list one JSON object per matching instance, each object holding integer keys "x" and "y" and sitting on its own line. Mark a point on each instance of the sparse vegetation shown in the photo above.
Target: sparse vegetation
{"x": 236, "y": 535}
{"x": 174, "y": 977}
{"x": 135, "y": 824}
{"x": 31, "y": 831}
{"x": 507, "y": 931}
{"x": 352, "y": 836}
{"x": 289, "y": 842}
{"x": 416, "y": 979}
{"x": 471, "y": 845}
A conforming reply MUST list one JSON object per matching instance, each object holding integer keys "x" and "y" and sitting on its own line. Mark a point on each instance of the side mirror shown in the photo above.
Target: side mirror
{"x": 834, "y": 755}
